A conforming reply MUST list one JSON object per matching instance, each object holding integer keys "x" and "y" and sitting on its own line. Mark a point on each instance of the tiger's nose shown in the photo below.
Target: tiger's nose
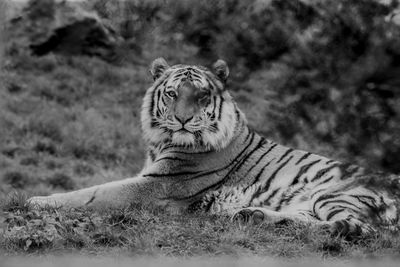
{"x": 183, "y": 119}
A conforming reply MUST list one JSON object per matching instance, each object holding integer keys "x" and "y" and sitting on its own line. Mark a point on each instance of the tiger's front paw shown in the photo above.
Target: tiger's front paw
{"x": 248, "y": 217}
{"x": 44, "y": 202}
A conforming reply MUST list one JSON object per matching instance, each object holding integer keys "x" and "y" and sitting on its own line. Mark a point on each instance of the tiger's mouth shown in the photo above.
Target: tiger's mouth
{"x": 183, "y": 130}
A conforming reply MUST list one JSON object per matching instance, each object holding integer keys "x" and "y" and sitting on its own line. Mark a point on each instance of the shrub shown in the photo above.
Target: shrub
{"x": 61, "y": 180}
{"x": 29, "y": 161}
{"x": 16, "y": 179}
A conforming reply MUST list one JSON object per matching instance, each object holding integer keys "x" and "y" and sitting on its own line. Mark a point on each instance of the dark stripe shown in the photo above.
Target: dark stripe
{"x": 154, "y": 92}
{"x": 285, "y": 154}
{"x": 210, "y": 85}
{"x": 257, "y": 177}
{"x": 170, "y": 174}
{"x": 195, "y": 71}
{"x": 261, "y": 157}
{"x": 178, "y": 76}
{"x": 304, "y": 157}
{"x": 92, "y": 198}
{"x": 272, "y": 177}
{"x": 163, "y": 100}
{"x": 180, "y": 71}
{"x": 365, "y": 196}
{"x": 152, "y": 101}
{"x": 303, "y": 170}
{"x": 237, "y": 161}
{"x": 269, "y": 181}
{"x": 196, "y": 77}
{"x": 322, "y": 172}
{"x": 316, "y": 192}
{"x": 325, "y": 181}
{"x": 237, "y": 112}
{"x": 338, "y": 201}
{"x": 154, "y": 123}
{"x": 258, "y": 146}
{"x": 333, "y": 213}
{"x": 214, "y": 127}
{"x": 215, "y": 105}
{"x": 267, "y": 201}
{"x": 171, "y": 158}
{"x": 289, "y": 198}
{"x": 220, "y": 108}
{"x": 158, "y": 112}
{"x": 212, "y": 79}
{"x": 152, "y": 155}
{"x": 158, "y": 98}
{"x": 371, "y": 206}
{"x": 346, "y": 208}
{"x": 329, "y": 161}
{"x": 323, "y": 197}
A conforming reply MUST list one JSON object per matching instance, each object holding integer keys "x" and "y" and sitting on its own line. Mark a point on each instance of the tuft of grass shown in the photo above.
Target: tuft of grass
{"x": 15, "y": 202}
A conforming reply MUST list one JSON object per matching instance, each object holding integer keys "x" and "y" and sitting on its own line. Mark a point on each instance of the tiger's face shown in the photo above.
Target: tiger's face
{"x": 189, "y": 106}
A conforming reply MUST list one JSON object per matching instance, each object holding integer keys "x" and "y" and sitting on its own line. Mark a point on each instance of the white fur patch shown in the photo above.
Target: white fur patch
{"x": 183, "y": 139}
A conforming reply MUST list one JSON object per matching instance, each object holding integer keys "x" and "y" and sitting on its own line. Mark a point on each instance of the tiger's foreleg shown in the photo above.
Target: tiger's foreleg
{"x": 116, "y": 194}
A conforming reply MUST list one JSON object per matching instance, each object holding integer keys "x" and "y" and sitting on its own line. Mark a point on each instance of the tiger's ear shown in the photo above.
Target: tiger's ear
{"x": 158, "y": 67}
{"x": 221, "y": 69}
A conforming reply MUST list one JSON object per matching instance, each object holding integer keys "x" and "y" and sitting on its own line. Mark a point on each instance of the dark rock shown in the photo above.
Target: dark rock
{"x": 66, "y": 28}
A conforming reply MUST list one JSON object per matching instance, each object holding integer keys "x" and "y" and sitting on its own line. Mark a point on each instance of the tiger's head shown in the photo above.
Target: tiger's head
{"x": 189, "y": 106}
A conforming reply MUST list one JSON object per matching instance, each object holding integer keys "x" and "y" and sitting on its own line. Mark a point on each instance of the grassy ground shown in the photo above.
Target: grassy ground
{"x": 149, "y": 231}
{"x": 71, "y": 122}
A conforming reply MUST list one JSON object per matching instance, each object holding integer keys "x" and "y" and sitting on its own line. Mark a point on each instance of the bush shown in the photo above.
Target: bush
{"x": 16, "y": 179}
{"x": 63, "y": 181}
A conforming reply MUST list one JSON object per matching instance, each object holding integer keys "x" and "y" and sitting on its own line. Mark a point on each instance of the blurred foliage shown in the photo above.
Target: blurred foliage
{"x": 322, "y": 76}
{"x": 329, "y": 70}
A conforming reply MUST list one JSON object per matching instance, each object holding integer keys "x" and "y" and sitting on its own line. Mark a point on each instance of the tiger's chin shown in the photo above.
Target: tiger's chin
{"x": 183, "y": 138}
{"x": 188, "y": 140}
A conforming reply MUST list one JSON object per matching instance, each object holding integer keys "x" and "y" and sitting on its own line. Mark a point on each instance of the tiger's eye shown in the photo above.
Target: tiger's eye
{"x": 171, "y": 94}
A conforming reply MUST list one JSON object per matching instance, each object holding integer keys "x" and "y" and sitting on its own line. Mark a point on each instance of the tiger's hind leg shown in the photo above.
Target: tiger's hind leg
{"x": 355, "y": 211}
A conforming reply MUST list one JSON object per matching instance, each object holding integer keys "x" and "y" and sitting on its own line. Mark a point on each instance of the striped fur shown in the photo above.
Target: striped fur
{"x": 243, "y": 171}
{"x": 202, "y": 156}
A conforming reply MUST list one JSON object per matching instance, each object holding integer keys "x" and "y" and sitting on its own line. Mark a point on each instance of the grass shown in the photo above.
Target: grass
{"x": 70, "y": 122}
{"x": 68, "y": 260}
{"x": 150, "y": 231}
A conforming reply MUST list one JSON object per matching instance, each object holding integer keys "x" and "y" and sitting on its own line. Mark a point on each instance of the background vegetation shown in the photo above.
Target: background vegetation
{"x": 321, "y": 76}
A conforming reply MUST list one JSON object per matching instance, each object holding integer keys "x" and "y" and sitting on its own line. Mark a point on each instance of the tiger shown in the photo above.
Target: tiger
{"x": 202, "y": 156}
